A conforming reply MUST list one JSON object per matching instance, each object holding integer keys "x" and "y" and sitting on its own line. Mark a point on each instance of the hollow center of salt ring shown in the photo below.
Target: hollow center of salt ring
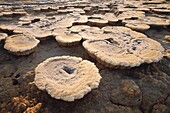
{"x": 68, "y": 70}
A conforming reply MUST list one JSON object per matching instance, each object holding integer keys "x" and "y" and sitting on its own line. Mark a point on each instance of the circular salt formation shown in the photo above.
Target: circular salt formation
{"x": 68, "y": 39}
{"x": 78, "y": 28}
{"x": 67, "y": 78}
{"x": 98, "y": 22}
{"x": 161, "y": 10}
{"x": 7, "y": 13}
{"x": 138, "y": 26}
{"x": 20, "y": 44}
{"x": 167, "y": 37}
{"x": 131, "y": 15}
{"x": 93, "y": 33}
{"x": 110, "y": 17}
{"x": 64, "y": 22}
{"x": 155, "y": 21}
{"x": 80, "y": 19}
{"x": 119, "y": 31}
{"x": 40, "y": 34}
{"x": 119, "y": 52}
{"x": 3, "y": 36}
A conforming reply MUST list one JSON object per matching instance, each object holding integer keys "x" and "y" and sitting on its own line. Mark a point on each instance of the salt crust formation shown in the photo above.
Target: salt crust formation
{"x": 20, "y": 44}
{"x": 66, "y": 38}
{"x": 93, "y": 33}
{"x": 3, "y": 36}
{"x": 66, "y": 77}
{"x": 124, "y": 49}
{"x": 123, "y": 32}
{"x": 138, "y": 26}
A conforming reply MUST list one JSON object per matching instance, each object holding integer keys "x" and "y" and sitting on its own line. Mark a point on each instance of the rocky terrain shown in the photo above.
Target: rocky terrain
{"x": 142, "y": 89}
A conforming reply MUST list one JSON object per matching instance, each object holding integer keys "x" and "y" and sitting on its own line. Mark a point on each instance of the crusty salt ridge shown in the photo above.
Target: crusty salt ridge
{"x": 155, "y": 21}
{"x": 118, "y": 52}
{"x": 123, "y": 32}
{"x": 167, "y": 37}
{"x": 20, "y": 44}
{"x": 98, "y": 22}
{"x": 138, "y": 26}
{"x": 67, "y": 78}
{"x": 3, "y": 36}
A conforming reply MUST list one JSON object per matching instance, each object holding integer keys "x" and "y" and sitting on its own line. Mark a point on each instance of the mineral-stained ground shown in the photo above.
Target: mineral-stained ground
{"x": 143, "y": 89}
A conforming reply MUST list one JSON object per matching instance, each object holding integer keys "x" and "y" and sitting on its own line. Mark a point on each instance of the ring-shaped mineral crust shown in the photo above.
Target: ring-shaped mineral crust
{"x": 67, "y": 77}
{"x": 120, "y": 53}
{"x": 21, "y": 44}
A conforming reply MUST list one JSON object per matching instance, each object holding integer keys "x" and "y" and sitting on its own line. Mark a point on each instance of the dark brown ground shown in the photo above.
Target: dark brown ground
{"x": 144, "y": 89}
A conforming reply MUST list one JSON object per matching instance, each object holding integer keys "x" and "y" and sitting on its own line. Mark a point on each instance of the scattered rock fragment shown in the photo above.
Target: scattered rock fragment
{"x": 127, "y": 94}
{"x": 160, "y": 108}
{"x": 33, "y": 109}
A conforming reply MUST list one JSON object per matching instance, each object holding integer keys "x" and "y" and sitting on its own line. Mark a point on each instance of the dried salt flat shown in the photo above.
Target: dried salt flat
{"x": 66, "y": 77}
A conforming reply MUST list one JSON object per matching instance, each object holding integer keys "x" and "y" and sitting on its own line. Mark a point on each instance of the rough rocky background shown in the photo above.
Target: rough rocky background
{"x": 144, "y": 89}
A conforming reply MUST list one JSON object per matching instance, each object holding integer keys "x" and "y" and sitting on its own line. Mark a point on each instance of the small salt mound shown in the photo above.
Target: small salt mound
{"x": 3, "y": 36}
{"x": 20, "y": 44}
{"x": 124, "y": 52}
{"x": 67, "y": 78}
